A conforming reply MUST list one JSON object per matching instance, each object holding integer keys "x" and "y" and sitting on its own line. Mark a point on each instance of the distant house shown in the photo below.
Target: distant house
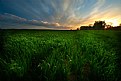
{"x": 98, "y": 25}
{"x": 86, "y": 28}
{"x": 115, "y": 28}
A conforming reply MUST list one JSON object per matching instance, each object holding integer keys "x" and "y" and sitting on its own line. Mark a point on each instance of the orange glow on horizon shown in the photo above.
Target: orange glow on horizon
{"x": 114, "y": 22}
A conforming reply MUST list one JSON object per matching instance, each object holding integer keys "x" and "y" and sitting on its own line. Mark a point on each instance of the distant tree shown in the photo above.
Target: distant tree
{"x": 120, "y": 24}
{"x": 99, "y": 25}
{"x": 90, "y": 25}
{"x": 77, "y": 28}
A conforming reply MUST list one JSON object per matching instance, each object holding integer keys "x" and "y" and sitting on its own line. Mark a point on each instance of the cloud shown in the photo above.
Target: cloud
{"x": 99, "y": 11}
{"x": 59, "y": 13}
{"x": 42, "y": 23}
{"x": 11, "y": 18}
{"x": 109, "y": 14}
{"x": 13, "y": 21}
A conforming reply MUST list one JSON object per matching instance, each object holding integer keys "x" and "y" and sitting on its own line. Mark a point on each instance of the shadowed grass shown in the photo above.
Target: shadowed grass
{"x": 59, "y": 55}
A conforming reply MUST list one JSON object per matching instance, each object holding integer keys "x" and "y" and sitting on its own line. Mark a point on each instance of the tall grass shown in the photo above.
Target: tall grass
{"x": 59, "y": 55}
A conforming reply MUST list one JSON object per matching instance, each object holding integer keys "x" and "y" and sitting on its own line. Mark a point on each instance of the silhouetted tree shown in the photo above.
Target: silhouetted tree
{"x": 120, "y": 24}
{"x": 99, "y": 25}
{"x": 90, "y": 25}
{"x": 77, "y": 28}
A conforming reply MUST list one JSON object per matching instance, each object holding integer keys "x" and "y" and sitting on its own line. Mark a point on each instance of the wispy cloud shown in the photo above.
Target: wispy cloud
{"x": 13, "y": 21}
{"x": 60, "y": 13}
{"x": 109, "y": 15}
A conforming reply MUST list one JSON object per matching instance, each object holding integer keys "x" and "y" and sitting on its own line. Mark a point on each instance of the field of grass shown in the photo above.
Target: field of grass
{"x": 34, "y": 55}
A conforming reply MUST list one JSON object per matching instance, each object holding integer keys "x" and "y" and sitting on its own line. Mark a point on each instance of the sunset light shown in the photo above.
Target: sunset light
{"x": 113, "y": 22}
{"x": 60, "y": 40}
{"x": 58, "y": 14}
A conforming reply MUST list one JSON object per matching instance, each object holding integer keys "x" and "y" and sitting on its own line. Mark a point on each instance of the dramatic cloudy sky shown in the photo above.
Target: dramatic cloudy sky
{"x": 57, "y": 14}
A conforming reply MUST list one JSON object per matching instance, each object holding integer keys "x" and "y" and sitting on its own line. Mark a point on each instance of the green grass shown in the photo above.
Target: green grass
{"x": 33, "y": 55}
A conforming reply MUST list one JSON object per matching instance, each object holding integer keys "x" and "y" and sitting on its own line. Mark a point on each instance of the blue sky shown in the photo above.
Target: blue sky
{"x": 57, "y": 14}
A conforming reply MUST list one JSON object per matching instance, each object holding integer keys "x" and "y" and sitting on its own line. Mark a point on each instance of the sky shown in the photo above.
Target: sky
{"x": 57, "y": 14}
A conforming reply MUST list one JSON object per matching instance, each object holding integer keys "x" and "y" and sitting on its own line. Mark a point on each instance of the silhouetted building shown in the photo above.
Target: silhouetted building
{"x": 100, "y": 25}
{"x": 115, "y": 28}
{"x": 86, "y": 28}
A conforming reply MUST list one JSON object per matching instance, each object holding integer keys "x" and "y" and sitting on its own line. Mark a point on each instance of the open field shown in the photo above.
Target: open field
{"x": 35, "y": 55}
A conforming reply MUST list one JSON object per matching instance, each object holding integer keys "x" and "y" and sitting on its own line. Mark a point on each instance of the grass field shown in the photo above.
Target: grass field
{"x": 35, "y": 55}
